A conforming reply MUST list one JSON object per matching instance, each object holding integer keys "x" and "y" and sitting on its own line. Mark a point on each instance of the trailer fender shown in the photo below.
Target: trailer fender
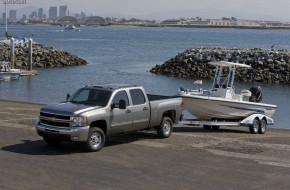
{"x": 249, "y": 120}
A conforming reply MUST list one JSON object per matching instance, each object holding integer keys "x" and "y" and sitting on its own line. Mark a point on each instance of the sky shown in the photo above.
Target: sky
{"x": 161, "y": 9}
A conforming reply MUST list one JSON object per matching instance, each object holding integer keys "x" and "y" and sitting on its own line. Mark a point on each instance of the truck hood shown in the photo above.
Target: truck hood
{"x": 67, "y": 108}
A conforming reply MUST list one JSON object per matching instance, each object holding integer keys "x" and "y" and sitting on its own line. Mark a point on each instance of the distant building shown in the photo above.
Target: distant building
{"x": 12, "y": 16}
{"x": 62, "y": 11}
{"x": 83, "y": 15}
{"x": 220, "y": 22}
{"x": 33, "y": 15}
{"x": 3, "y": 17}
{"x": 52, "y": 14}
{"x": 171, "y": 21}
{"x": 248, "y": 23}
{"x": 40, "y": 13}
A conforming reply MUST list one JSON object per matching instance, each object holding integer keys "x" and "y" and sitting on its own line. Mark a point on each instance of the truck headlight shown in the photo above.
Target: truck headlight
{"x": 79, "y": 121}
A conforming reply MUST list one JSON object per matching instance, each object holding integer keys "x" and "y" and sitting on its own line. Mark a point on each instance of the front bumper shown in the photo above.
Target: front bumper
{"x": 71, "y": 134}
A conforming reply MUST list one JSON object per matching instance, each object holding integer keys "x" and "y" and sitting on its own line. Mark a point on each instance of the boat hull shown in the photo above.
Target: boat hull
{"x": 217, "y": 108}
{"x": 5, "y": 76}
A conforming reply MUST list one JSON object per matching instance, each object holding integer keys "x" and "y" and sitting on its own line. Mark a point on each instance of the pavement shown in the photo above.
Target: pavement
{"x": 191, "y": 158}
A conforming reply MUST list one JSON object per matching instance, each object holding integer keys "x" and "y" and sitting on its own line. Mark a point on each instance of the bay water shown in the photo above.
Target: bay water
{"x": 126, "y": 54}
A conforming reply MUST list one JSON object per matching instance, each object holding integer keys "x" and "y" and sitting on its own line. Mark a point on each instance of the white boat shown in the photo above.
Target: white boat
{"x": 6, "y": 73}
{"x": 221, "y": 102}
{"x": 72, "y": 28}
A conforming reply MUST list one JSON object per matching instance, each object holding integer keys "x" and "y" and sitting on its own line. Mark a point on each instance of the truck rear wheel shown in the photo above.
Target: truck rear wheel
{"x": 96, "y": 140}
{"x": 166, "y": 127}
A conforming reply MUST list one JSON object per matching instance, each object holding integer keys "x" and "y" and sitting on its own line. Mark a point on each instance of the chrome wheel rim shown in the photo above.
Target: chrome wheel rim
{"x": 263, "y": 126}
{"x": 256, "y": 126}
{"x": 167, "y": 127}
{"x": 95, "y": 140}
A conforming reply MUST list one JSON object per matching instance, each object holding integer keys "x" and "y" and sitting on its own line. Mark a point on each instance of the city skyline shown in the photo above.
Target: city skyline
{"x": 161, "y": 9}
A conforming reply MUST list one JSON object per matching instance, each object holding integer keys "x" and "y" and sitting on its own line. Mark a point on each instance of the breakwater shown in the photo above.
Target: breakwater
{"x": 42, "y": 56}
{"x": 268, "y": 66}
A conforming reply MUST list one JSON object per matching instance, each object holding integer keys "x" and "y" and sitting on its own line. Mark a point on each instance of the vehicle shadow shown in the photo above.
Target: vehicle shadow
{"x": 39, "y": 147}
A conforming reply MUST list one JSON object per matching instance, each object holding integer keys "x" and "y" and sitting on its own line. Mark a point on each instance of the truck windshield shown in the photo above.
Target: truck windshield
{"x": 90, "y": 96}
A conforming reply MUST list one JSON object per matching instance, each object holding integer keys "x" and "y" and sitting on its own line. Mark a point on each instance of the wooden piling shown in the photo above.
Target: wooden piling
{"x": 30, "y": 54}
{"x": 12, "y": 53}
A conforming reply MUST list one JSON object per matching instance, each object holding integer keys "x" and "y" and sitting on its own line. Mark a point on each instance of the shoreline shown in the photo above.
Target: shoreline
{"x": 170, "y": 26}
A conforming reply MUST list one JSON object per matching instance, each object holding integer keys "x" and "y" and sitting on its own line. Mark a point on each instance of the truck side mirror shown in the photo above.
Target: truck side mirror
{"x": 122, "y": 104}
{"x": 67, "y": 96}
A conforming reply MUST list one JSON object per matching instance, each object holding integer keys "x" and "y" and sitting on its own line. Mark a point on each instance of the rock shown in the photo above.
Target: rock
{"x": 43, "y": 56}
{"x": 267, "y": 66}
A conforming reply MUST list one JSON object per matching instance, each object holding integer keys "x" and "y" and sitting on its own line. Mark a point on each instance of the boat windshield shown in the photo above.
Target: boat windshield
{"x": 91, "y": 96}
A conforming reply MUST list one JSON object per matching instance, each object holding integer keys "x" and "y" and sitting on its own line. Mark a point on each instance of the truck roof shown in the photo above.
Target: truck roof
{"x": 112, "y": 87}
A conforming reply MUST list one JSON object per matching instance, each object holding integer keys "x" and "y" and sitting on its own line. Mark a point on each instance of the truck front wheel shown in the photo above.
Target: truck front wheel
{"x": 96, "y": 140}
{"x": 165, "y": 129}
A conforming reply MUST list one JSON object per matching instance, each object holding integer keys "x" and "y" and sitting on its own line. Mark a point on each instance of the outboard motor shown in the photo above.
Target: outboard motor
{"x": 257, "y": 95}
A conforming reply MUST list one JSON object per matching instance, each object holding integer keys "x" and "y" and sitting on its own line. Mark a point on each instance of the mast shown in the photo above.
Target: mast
{"x": 6, "y": 32}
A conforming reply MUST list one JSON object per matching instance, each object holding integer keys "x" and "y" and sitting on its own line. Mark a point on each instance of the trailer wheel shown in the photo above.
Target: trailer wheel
{"x": 96, "y": 140}
{"x": 255, "y": 127}
{"x": 262, "y": 126}
{"x": 206, "y": 127}
{"x": 166, "y": 127}
{"x": 215, "y": 127}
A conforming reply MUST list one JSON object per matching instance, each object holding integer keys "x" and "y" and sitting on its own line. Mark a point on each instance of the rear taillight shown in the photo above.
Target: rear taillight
{"x": 182, "y": 106}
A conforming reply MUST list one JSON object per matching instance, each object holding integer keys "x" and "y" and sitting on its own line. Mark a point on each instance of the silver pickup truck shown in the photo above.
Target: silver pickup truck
{"x": 93, "y": 113}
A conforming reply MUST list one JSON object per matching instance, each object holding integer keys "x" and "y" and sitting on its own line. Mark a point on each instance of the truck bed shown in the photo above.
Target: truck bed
{"x": 153, "y": 97}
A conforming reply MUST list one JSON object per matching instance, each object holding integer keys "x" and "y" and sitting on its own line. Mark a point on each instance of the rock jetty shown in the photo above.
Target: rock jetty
{"x": 42, "y": 56}
{"x": 268, "y": 66}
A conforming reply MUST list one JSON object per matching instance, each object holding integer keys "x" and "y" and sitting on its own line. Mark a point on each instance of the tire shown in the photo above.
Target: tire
{"x": 96, "y": 140}
{"x": 207, "y": 127}
{"x": 215, "y": 127}
{"x": 262, "y": 126}
{"x": 166, "y": 127}
{"x": 52, "y": 141}
{"x": 254, "y": 129}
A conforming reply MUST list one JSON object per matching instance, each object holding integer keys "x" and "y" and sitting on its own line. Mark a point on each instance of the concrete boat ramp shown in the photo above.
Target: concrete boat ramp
{"x": 192, "y": 158}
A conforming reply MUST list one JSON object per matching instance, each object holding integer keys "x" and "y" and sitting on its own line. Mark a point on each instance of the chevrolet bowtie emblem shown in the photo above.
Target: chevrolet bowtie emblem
{"x": 52, "y": 119}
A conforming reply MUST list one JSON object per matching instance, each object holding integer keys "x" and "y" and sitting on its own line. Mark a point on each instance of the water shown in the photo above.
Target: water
{"x": 126, "y": 54}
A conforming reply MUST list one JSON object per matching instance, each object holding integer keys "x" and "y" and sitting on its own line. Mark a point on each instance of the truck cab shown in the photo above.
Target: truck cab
{"x": 93, "y": 113}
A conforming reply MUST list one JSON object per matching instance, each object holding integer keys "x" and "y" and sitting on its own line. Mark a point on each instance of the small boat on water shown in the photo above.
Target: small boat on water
{"x": 6, "y": 73}
{"x": 72, "y": 28}
{"x": 17, "y": 40}
{"x": 221, "y": 101}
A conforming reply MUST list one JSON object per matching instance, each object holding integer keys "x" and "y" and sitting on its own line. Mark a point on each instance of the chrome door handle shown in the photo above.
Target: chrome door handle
{"x": 128, "y": 111}
{"x": 145, "y": 109}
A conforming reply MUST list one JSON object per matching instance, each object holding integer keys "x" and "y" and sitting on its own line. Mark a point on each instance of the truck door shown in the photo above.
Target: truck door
{"x": 120, "y": 119}
{"x": 140, "y": 108}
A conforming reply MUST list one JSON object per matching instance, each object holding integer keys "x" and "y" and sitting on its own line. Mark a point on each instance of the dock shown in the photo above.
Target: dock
{"x": 28, "y": 73}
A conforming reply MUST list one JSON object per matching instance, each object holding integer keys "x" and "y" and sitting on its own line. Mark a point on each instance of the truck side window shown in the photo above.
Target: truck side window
{"x": 137, "y": 96}
{"x": 119, "y": 96}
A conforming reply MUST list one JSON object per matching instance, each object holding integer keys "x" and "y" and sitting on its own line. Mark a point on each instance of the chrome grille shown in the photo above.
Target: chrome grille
{"x": 55, "y": 120}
